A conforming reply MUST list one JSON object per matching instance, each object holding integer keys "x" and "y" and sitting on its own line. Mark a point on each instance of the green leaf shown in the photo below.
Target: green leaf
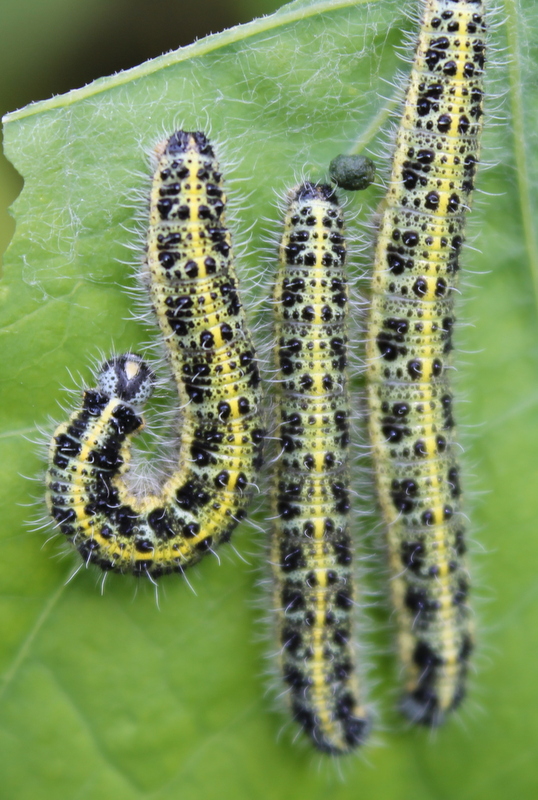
{"x": 108, "y": 696}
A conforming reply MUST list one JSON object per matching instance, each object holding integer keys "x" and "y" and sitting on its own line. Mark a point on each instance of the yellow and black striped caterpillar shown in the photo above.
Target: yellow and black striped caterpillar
{"x": 194, "y": 293}
{"x": 311, "y": 552}
{"x": 421, "y": 229}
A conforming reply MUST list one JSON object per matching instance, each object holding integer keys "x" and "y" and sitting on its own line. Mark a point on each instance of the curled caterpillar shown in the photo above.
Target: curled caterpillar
{"x": 420, "y": 235}
{"x": 311, "y": 552}
{"x": 193, "y": 289}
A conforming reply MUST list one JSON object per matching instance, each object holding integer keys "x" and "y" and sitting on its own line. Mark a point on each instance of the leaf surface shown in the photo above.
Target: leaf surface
{"x": 109, "y": 696}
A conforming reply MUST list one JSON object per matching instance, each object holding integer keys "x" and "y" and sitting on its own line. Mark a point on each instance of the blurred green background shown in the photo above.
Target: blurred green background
{"x": 50, "y": 46}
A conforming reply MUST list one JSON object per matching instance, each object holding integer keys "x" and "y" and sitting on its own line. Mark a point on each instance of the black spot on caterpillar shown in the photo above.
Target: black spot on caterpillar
{"x": 194, "y": 292}
{"x": 420, "y": 236}
{"x": 311, "y": 546}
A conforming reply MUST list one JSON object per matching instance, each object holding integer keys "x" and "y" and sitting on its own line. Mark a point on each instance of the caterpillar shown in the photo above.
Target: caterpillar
{"x": 311, "y": 552}
{"x": 194, "y": 293}
{"x": 409, "y": 341}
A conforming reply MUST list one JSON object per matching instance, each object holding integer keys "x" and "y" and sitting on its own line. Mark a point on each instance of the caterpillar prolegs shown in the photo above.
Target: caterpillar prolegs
{"x": 420, "y": 236}
{"x": 193, "y": 289}
{"x": 311, "y": 551}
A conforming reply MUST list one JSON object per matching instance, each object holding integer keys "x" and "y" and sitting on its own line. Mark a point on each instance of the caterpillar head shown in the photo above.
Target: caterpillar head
{"x": 127, "y": 377}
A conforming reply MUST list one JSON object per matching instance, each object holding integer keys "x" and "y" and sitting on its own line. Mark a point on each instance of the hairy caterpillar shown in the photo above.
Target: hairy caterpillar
{"x": 420, "y": 235}
{"x": 311, "y": 551}
{"x": 193, "y": 289}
